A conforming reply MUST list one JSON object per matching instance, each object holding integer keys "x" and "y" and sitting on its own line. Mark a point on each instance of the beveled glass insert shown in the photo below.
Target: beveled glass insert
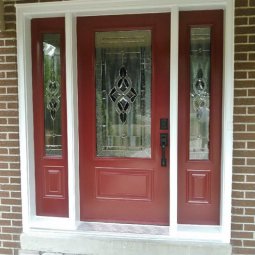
{"x": 200, "y": 62}
{"x": 123, "y": 93}
{"x": 52, "y": 94}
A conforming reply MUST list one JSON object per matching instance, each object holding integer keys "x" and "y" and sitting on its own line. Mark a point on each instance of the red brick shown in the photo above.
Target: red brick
{"x": 16, "y": 237}
{"x": 244, "y": 136}
{"x": 252, "y": 20}
{"x": 249, "y": 195}
{"x": 244, "y": 47}
{"x": 241, "y": 75}
{"x": 244, "y": 219}
{"x": 251, "y": 110}
{"x": 5, "y": 237}
{"x": 239, "y": 84}
{"x": 245, "y": 12}
{"x": 16, "y": 230}
{"x": 16, "y": 209}
{"x": 238, "y": 161}
{"x": 243, "y": 203}
{"x": 241, "y": 21}
{"x": 239, "y": 145}
{"x": 236, "y": 242}
{"x": 240, "y": 110}
{"x": 11, "y": 59}
{"x": 239, "y": 127}
{"x": 15, "y": 166}
{"x": 9, "y": 173}
{"x": 243, "y": 251}
{"x": 4, "y": 208}
{"x": 17, "y": 223}
{"x": 11, "y": 187}
{"x": 241, "y": 3}
{"x": 251, "y": 75}
{"x": 249, "y": 243}
{"x": 5, "y": 222}
{"x": 12, "y": 216}
{"x": 9, "y": 201}
{"x": 242, "y": 234}
{"x": 252, "y": 2}
{"x": 9, "y": 158}
{"x": 236, "y": 226}
{"x": 237, "y": 194}
{"x": 251, "y": 93}
{"x": 11, "y": 244}
{"x": 244, "y": 153}
{"x": 245, "y": 101}
{"x": 238, "y": 178}
{"x": 243, "y": 186}
{"x": 13, "y": 136}
{"x": 244, "y": 119}
{"x": 239, "y": 39}
{"x": 15, "y": 194}
{"x": 241, "y": 56}
{"x": 239, "y": 211}
{"x": 10, "y": 42}
{"x": 249, "y": 227}
{"x": 251, "y": 145}
{"x": 12, "y": 90}
{"x": 240, "y": 93}
{"x": 13, "y": 121}
{"x": 5, "y": 251}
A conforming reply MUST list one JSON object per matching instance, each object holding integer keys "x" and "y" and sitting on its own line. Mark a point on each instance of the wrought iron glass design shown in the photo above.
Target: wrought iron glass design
{"x": 123, "y": 93}
{"x": 52, "y": 94}
{"x": 200, "y": 62}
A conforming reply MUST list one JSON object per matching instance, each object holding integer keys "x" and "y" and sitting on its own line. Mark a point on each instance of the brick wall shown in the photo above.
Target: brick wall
{"x": 10, "y": 204}
{"x": 243, "y": 210}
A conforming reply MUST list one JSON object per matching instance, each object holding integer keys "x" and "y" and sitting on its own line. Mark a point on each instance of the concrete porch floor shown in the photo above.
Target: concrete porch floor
{"x": 85, "y": 244}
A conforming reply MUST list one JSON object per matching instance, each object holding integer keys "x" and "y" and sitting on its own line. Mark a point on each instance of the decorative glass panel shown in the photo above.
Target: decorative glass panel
{"x": 123, "y": 93}
{"x": 52, "y": 94}
{"x": 200, "y": 59}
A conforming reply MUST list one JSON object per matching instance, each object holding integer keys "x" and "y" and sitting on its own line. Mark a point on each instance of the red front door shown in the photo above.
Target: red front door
{"x": 123, "y": 90}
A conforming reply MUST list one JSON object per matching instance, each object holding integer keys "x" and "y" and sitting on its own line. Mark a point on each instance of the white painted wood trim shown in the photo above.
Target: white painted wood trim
{"x": 173, "y": 127}
{"x": 69, "y": 10}
{"x": 26, "y": 128}
{"x": 72, "y": 118}
{"x": 111, "y": 7}
{"x": 227, "y": 121}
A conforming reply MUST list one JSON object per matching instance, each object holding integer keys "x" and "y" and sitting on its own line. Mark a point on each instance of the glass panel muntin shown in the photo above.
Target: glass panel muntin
{"x": 123, "y": 93}
{"x": 200, "y": 65}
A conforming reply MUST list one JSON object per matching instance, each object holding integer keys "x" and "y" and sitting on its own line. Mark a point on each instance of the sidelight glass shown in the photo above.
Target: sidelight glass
{"x": 123, "y": 93}
{"x": 52, "y": 94}
{"x": 200, "y": 64}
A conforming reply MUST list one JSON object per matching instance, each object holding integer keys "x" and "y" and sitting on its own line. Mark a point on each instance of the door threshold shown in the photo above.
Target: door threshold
{"x": 119, "y": 228}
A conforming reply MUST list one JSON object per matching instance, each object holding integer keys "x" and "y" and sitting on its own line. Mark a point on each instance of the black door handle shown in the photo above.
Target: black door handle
{"x": 163, "y": 144}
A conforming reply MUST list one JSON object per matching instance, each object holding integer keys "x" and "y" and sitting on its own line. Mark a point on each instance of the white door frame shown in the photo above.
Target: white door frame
{"x": 70, "y": 10}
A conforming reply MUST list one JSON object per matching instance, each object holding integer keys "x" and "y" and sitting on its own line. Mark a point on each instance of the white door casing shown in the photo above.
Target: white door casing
{"x": 70, "y": 10}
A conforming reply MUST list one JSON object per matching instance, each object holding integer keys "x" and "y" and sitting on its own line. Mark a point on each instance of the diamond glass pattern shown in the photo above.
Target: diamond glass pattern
{"x": 122, "y": 94}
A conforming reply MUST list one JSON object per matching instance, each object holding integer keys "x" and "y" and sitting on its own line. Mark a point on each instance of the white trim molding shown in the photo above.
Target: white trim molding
{"x": 70, "y": 10}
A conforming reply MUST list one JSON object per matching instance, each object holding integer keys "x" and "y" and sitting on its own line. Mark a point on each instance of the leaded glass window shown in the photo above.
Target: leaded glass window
{"x": 52, "y": 94}
{"x": 200, "y": 64}
{"x": 123, "y": 93}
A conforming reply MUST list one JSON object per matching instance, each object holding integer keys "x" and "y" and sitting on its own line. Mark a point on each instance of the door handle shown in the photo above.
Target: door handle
{"x": 163, "y": 144}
